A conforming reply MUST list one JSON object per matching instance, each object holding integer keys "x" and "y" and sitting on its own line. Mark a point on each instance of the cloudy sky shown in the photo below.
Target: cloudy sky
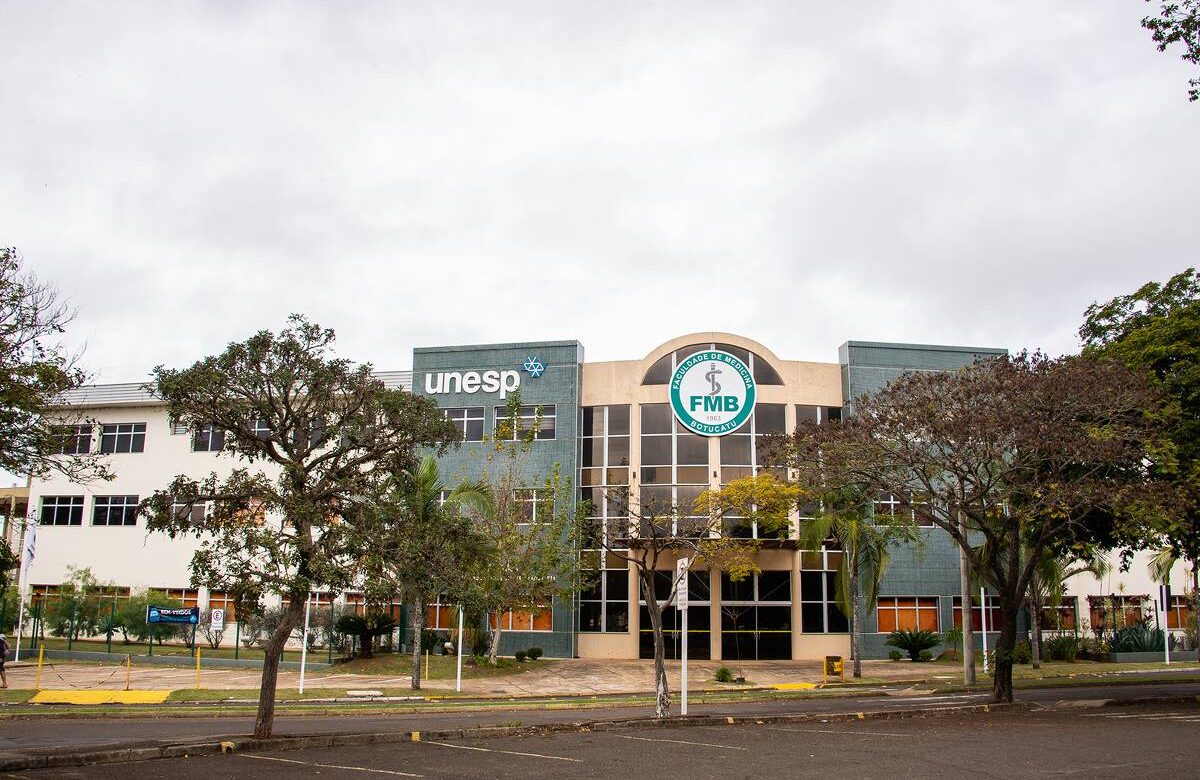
{"x": 415, "y": 174}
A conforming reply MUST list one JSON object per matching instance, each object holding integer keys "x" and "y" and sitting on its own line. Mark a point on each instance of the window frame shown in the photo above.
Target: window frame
{"x": 134, "y": 438}
{"x": 74, "y": 510}
{"x": 126, "y": 509}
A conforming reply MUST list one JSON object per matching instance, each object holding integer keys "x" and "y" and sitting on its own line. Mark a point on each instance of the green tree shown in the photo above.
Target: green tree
{"x": 1026, "y": 454}
{"x": 35, "y": 369}
{"x": 366, "y": 627}
{"x": 133, "y": 617}
{"x": 414, "y": 540}
{"x": 314, "y": 431}
{"x": 75, "y": 610}
{"x": 1178, "y": 22}
{"x": 533, "y": 529}
{"x": 1156, "y": 329}
{"x": 659, "y": 533}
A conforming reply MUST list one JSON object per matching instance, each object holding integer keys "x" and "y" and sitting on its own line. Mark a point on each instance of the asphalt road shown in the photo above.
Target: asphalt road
{"x": 1133, "y": 741}
{"x": 40, "y": 735}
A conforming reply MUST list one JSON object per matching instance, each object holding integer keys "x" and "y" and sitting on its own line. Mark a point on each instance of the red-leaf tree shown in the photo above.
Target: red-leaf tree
{"x": 1030, "y": 455}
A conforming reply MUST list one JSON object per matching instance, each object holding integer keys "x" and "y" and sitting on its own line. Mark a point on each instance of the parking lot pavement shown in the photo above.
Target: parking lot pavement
{"x": 1136, "y": 741}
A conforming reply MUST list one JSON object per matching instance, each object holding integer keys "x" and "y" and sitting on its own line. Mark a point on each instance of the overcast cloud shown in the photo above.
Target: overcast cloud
{"x": 415, "y": 174}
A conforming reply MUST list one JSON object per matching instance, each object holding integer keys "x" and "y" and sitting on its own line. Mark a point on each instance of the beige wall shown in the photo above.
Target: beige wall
{"x": 620, "y": 382}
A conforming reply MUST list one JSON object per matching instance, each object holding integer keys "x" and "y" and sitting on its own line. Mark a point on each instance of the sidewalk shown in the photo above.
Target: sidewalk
{"x": 544, "y": 678}
{"x": 562, "y": 677}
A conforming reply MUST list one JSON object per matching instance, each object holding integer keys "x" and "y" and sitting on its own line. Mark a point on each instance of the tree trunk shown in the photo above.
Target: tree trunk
{"x": 1196, "y": 602}
{"x": 1035, "y": 620}
{"x": 264, "y": 721}
{"x": 856, "y": 621}
{"x": 494, "y": 643}
{"x": 417, "y": 620}
{"x": 662, "y": 693}
{"x": 1002, "y": 688}
{"x": 968, "y": 637}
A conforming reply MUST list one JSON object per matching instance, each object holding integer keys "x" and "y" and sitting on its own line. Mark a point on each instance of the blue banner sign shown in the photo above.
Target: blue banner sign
{"x": 189, "y": 616}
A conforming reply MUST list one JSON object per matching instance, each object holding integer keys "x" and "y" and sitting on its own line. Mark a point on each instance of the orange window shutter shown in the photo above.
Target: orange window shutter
{"x": 543, "y": 620}
{"x": 887, "y": 620}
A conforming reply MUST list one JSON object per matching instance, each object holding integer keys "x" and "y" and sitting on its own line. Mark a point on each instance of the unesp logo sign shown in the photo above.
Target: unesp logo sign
{"x": 712, "y": 393}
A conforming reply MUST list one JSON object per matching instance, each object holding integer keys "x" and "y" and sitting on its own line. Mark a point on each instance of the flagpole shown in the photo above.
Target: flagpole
{"x": 27, "y": 550}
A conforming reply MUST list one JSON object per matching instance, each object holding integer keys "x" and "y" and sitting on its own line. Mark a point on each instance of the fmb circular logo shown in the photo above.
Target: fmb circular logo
{"x": 712, "y": 393}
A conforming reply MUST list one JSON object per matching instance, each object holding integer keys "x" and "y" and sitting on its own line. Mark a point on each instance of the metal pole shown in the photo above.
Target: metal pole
{"x": 20, "y": 620}
{"x": 21, "y": 572}
{"x": 304, "y": 641}
{"x": 458, "y": 677}
{"x": 683, "y": 688}
{"x": 983, "y": 625}
{"x": 37, "y": 684}
{"x": 329, "y": 632}
{"x": 1166, "y": 631}
{"x": 237, "y": 638}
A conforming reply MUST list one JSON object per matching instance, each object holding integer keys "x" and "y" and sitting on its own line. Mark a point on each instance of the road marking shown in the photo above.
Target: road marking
{"x": 681, "y": 742}
{"x": 331, "y": 766}
{"x": 844, "y": 731}
{"x": 506, "y": 752}
{"x": 1145, "y": 715}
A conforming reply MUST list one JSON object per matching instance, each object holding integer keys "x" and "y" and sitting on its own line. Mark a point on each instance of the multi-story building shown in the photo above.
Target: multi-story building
{"x": 688, "y": 416}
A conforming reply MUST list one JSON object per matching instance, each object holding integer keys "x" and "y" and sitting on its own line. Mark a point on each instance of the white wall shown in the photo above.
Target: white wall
{"x": 124, "y": 555}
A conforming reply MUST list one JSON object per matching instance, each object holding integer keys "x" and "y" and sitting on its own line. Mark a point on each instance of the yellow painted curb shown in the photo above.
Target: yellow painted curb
{"x": 100, "y": 697}
{"x": 794, "y": 686}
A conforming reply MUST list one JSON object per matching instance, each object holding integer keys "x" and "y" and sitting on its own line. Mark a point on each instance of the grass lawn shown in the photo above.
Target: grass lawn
{"x": 441, "y": 667}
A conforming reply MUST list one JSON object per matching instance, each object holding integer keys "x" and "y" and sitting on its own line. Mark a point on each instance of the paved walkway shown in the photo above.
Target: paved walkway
{"x": 565, "y": 676}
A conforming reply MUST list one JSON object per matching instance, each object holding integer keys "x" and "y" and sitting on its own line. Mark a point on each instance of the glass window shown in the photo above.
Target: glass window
{"x": 907, "y": 613}
{"x": 604, "y": 606}
{"x": 191, "y": 512}
{"x": 528, "y": 417}
{"x": 74, "y": 440}
{"x": 656, "y": 418}
{"x": 62, "y": 510}
{"x": 115, "y": 510}
{"x": 993, "y": 613}
{"x": 123, "y": 437}
{"x": 468, "y": 420}
{"x": 208, "y": 439}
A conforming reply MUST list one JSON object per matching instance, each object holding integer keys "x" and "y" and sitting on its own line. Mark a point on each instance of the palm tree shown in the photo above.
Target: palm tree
{"x": 1046, "y": 589}
{"x": 422, "y": 543}
{"x": 1160, "y": 567}
{"x": 848, "y": 520}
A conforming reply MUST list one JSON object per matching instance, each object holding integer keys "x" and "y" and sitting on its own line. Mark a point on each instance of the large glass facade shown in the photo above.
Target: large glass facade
{"x": 699, "y": 620}
{"x": 756, "y": 616}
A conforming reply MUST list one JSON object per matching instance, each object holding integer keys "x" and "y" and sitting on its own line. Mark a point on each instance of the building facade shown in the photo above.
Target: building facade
{"x": 688, "y": 416}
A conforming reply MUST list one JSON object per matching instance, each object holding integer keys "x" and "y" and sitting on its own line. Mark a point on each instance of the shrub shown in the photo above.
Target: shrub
{"x": 954, "y": 641}
{"x": 1022, "y": 653}
{"x": 895, "y": 655}
{"x": 520, "y": 656}
{"x": 925, "y": 655}
{"x": 1137, "y": 638}
{"x": 366, "y": 628}
{"x": 913, "y": 642}
{"x": 1064, "y": 647}
{"x": 534, "y": 653}
{"x": 724, "y": 675}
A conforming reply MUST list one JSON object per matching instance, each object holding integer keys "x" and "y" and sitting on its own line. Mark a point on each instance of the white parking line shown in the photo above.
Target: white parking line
{"x": 1148, "y": 715}
{"x": 330, "y": 766}
{"x": 493, "y": 750}
{"x": 832, "y": 731}
{"x": 681, "y": 742}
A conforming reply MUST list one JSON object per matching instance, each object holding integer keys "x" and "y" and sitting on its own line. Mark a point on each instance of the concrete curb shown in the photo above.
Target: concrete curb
{"x": 235, "y": 744}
